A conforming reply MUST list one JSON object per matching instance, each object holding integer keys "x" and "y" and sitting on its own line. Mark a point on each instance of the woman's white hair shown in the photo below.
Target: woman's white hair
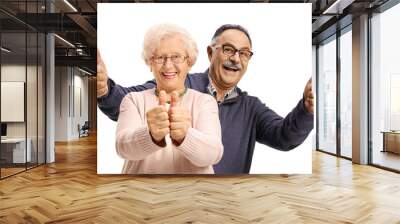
{"x": 157, "y": 33}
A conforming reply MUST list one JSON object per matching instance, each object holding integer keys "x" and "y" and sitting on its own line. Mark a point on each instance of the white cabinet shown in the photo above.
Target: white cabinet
{"x": 17, "y": 146}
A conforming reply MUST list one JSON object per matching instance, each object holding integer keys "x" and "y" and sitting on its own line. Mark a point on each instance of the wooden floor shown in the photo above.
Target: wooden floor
{"x": 5, "y": 172}
{"x": 70, "y": 191}
{"x": 388, "y": 159}
{"x": 10, "y": 171}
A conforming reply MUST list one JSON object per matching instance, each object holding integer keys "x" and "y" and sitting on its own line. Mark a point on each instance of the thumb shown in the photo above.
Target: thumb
{"x": 98, "y": 54}
{"x": 308, "y": 87}
{"x": 99, "y": 59}
{"x": 162, "y": 98}
{"x": 101, "y": 67}
{"x": 309, "y": 82}
{"x": 174, "y": 98}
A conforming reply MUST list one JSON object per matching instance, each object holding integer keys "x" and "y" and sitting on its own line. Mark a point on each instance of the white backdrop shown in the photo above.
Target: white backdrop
{"x": 277, "y": 73}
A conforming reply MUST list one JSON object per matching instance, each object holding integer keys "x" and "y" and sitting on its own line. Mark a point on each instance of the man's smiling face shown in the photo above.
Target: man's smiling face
{"x": 226, "y": 71}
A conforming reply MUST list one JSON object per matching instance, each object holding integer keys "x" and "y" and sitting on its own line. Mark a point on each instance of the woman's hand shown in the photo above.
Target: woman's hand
{"x": 179, "y": 118}
{"x": 158, "y": 121}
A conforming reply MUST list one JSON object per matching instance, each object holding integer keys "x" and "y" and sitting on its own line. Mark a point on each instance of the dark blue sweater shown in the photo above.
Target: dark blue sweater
{"x": 244, "y": 120}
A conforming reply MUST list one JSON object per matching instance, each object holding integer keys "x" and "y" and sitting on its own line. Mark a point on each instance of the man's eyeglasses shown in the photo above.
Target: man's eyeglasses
{"x": 176, "y": 59}
{"x": 230, "y": 51}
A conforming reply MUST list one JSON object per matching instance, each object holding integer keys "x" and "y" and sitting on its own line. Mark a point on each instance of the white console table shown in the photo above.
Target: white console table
{"x": 18, "y": 149}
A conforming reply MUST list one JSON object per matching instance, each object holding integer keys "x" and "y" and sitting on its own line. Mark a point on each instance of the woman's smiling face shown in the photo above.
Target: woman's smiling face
{"x": 170, "y": 64}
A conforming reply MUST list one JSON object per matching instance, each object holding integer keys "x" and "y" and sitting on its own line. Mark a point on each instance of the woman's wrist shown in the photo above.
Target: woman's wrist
{"x": 161, "y": 143}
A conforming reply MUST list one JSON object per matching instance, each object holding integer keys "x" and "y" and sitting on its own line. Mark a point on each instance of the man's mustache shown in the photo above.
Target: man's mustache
{"x": 232, "y": 65}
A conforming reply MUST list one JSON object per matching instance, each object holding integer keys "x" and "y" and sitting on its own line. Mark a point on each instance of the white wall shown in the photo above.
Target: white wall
{"x": 277, "y": 73}
{"x": 80, "y": 84}
{"x": 61, "y": 105}
{"x": 68, "y": 83}
{"x": 14, "y": 73}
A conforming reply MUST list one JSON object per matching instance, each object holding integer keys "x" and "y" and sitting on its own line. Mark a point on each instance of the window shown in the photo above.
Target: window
{"x": 346, "y": 93}
{"x": 327, "y": 95}
{"x": 385, "y": 89}
{"x": 22, "y": 76}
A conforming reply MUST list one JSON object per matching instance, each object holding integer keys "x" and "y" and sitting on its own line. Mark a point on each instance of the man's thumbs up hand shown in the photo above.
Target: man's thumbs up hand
{"x": 102, "y": 77}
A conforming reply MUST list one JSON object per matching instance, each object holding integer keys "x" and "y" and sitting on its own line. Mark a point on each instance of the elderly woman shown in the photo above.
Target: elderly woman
{"x": 169, "y": 129}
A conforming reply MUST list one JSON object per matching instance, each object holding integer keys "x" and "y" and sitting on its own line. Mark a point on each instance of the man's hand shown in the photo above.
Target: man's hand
{"x": 102, "y": 77}
{"x": 309, "y": 97}
{"x": 180, "y": 120}
{"x": 158, "y": 120}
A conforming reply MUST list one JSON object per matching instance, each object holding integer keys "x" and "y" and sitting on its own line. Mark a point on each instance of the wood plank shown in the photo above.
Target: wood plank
{"x": 70, "y": 191}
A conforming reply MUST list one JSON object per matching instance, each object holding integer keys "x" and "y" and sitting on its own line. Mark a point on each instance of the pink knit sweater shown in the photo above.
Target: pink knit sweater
{"x": 201, "y": 148}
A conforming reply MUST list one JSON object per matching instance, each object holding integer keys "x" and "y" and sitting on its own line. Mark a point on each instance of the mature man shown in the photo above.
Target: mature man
{"x": 244, "y": 119}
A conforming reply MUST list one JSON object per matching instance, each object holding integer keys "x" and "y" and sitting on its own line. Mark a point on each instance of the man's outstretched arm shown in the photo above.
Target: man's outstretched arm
{"x": 283, "y": 133}
{"x": 109, "y": 94}
{"x": 289, "y": 132}
{"x": 110, "y": 102}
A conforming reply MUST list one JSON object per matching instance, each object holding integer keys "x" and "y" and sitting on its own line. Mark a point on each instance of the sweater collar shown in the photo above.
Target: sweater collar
{"x": 231, "y": 94}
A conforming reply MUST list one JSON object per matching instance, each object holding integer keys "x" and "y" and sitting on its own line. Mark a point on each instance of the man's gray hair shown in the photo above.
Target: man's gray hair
{"x": 224, "y": 27}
